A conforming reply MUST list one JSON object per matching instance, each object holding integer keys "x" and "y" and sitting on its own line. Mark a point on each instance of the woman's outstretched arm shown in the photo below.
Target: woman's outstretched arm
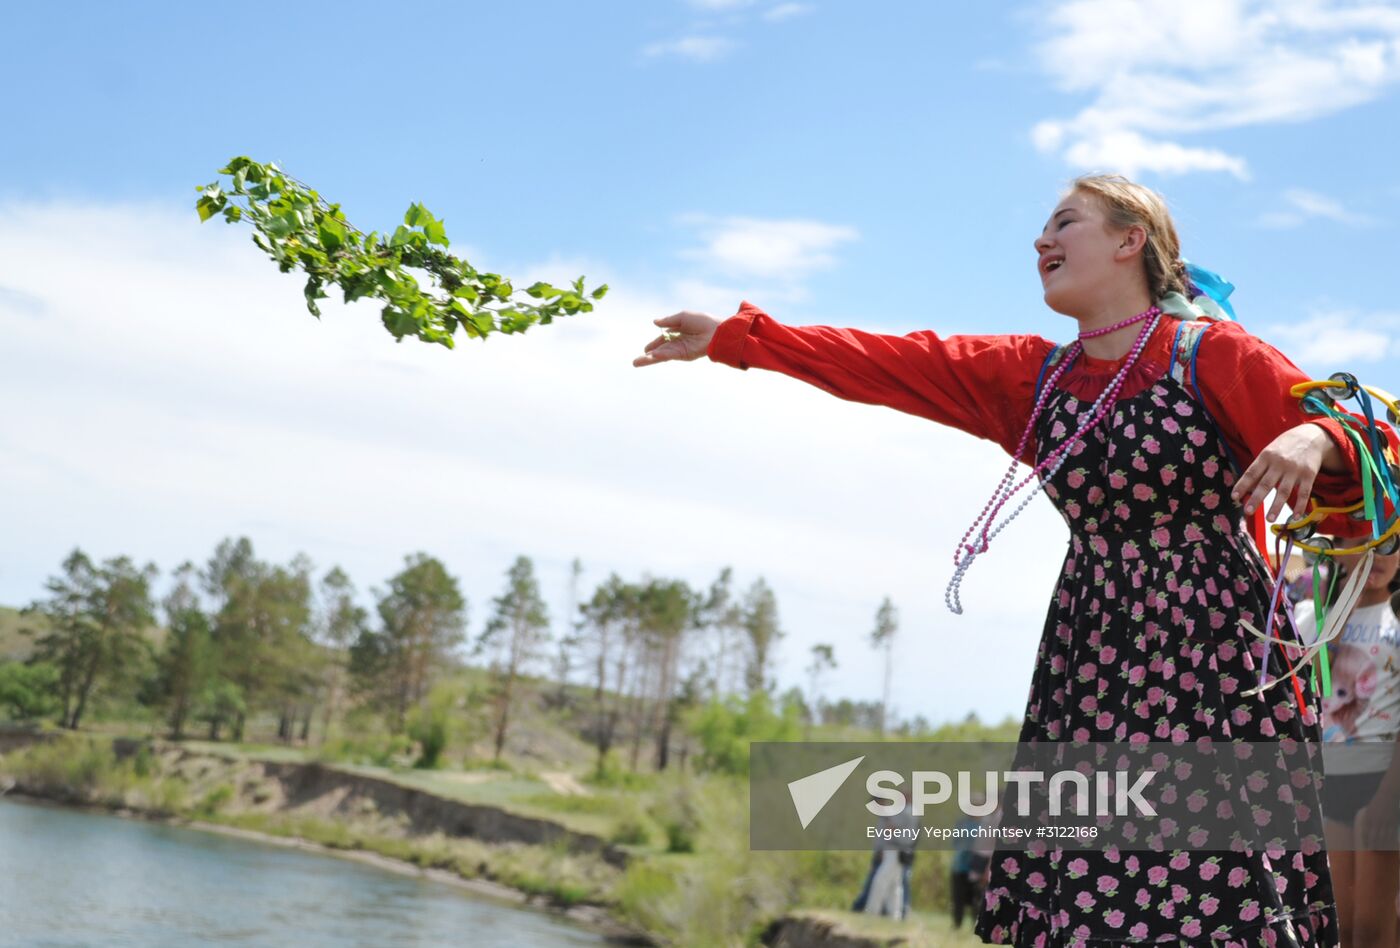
{"x": 983, "y": 385}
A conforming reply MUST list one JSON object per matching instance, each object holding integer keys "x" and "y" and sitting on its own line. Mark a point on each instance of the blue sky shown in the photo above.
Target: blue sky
{"x": 883, "y": 165}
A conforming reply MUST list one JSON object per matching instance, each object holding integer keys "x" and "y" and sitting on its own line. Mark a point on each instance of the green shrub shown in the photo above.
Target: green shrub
{"x": 610, "y": 774}
{"x": 141, "y": 761}
{"x": 631, "y": 832}
{"x": 215, "y": 800}
{"x": 678, "y": 811}
{"x": 166, "y": 795}
{"x": 429, "y": 727}
{"x": 28, "y": 692}
{"x": 431, "y": 724}
{"x": 72, "y": 766}
{"x": 726, "y": 728}
{"x": 680, "y": 838}
{"x": 367, "y": 747}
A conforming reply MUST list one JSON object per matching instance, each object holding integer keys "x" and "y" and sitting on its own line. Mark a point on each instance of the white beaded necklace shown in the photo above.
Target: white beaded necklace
{"x": 967, "y": 551}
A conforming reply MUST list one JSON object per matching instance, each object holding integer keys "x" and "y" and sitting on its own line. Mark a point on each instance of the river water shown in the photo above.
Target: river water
{"x": 74, "y": 878}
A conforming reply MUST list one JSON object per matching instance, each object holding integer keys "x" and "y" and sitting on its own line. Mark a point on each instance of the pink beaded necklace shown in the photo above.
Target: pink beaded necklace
{"x": 1046, "y": 469}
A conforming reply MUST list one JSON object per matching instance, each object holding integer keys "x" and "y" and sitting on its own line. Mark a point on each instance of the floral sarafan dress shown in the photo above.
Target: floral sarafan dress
{"x": 1143, "y": 642}
{"x": 1143, "y": 638}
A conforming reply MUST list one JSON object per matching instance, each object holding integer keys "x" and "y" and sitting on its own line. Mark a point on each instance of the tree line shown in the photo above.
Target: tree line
{"x": 637, "y": 662}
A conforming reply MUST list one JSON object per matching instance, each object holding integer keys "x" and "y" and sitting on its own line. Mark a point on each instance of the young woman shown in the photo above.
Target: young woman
{"x": 1360, "y": 724}
{"x": 1132, "y": 431}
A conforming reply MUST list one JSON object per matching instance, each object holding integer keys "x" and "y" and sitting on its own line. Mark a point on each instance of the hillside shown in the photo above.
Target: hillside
{"x": 15, "y": 645}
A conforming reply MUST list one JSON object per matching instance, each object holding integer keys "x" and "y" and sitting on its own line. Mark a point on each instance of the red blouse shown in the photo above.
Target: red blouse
{"x": 985, "y": 385}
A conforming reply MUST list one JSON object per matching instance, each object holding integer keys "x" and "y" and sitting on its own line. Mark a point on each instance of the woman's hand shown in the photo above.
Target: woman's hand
{"x": 687, "y": 338}
{"x": 1288, "y": 466}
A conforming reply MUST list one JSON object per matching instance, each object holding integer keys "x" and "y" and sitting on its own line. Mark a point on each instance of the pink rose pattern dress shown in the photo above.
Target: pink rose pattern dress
{"x": 1143, "y": 643}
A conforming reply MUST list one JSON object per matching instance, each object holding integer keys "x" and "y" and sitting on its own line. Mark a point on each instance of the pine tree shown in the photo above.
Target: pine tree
{"x": 515, "y": 634}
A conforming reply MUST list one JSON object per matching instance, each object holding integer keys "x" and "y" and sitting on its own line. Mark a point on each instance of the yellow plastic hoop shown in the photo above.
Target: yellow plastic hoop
{"x": 1350, "y": 550}
{"x": 1391, "y": 403}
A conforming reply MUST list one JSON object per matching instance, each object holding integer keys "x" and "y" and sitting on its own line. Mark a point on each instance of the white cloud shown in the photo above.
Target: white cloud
{"x": 1130, "y": 153}
{"x": 191, "y": 397}
{"x": 697, "y": 49}
{"x": 703, "y": 44}
{"x": 783, "y": 250}
{"x": 786, "y": 11}
{"x": 1328, "y": 339}
{"x": 1155, "y": 68}
{"x": 1303, "y": 205}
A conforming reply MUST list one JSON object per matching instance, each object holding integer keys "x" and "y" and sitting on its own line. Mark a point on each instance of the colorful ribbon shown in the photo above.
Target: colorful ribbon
{"x": 1212, "y": 287}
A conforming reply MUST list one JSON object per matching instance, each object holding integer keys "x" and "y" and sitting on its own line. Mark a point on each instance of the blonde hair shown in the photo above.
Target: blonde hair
{"x": 1129, "y": 204}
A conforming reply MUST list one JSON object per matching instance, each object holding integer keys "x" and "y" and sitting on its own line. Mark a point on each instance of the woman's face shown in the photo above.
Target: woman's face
{"x": 1079, "y": 256}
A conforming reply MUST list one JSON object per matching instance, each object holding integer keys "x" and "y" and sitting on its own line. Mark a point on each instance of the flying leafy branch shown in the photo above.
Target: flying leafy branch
{"x": 298, "y": 229}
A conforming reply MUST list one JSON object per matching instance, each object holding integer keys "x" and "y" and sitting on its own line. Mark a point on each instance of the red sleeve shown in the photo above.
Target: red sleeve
{"x": 983, "y": 385}
{"x": 1245, "y": 383}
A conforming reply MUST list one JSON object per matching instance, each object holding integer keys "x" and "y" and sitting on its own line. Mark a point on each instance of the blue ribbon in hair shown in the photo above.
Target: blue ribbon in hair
{"x": 1205, "y": 283}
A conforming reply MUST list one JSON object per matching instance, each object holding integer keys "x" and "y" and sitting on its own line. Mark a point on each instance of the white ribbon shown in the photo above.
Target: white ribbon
{"x": 1336, "y": 620}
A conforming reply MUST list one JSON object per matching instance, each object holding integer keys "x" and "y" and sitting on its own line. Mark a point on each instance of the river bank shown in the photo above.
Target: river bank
{"x": 725, "y": 894}
{"x": 71, "y": 876}
{"x": 591, "y": 917}
{"x": 483, "y": 850}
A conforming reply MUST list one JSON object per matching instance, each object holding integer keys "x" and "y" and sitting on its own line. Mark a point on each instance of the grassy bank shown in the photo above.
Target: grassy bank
{"x": 691, "y": 878}
{"x": 165, "y": 783}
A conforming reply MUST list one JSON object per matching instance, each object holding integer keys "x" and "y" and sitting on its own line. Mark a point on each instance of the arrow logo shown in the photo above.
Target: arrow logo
{"x": 811, "y": 793}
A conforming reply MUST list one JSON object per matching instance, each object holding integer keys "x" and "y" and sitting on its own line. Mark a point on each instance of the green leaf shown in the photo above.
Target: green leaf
{"x": 313, "y": 292}
{"x": 279, "y": 227}
{"x": 332, "y": 234}
{"x": 601, "y": 292}
{"x": 301, "y": 231}
{"x": 435, "y": 233}
{"x": 399, "y": 323}
{"x": 358, "y": 287}
{"x": 209, "y": 205}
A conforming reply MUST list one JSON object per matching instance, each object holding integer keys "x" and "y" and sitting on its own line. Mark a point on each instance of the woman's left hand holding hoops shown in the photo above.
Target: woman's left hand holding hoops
{"x": 1288, "y": 466}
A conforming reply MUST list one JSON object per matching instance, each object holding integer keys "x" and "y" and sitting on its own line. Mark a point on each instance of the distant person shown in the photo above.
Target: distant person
{"x": 1360, "y": 724}
{"x": 968, "y": 870}
{"x": 887, "y": 886}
